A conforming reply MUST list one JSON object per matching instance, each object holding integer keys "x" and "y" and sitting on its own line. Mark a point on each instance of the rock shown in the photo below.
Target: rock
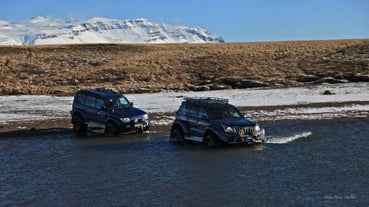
{"x": 219, "y": 87}
{"x": 199, "y": 88}
{"x": 357, "y": 78}
{"x": 142, "y": 90}
{"x": 332, "y": 80}
{"x": 328, "y": 92}
{"x": 236, "y": 82}
{"x": 252, "y": 84}
{"x": 307, "y": 78}
{"x": 18, "y": 92}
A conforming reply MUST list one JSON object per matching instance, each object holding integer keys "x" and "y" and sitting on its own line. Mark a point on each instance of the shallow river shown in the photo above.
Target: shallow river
{"x": 311, "y": 163}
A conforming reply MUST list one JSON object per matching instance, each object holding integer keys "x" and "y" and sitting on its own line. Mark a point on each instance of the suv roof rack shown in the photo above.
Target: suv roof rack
{"x": 101, "y": 92}
{"x": 207, "y": 100}
{"x": 104, "y": 90}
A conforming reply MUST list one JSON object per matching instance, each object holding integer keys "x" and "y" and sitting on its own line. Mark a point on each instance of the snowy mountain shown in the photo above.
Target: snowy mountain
{"x": 45, "y": 30}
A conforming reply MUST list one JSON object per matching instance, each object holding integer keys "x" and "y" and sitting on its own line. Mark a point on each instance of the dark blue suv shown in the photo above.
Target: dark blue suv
{"x": 213, "y": 121}
{"x": 108, "y": 110}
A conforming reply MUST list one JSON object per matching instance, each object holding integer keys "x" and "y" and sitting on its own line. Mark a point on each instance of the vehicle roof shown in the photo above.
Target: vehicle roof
{"x": 206, "y": 101}
{"x": 101, "y": 93}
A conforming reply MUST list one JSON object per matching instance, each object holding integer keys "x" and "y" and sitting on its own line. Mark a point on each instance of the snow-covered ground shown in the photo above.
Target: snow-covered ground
{"x": 34, "y": 108}
{"x": 169, "y": 101}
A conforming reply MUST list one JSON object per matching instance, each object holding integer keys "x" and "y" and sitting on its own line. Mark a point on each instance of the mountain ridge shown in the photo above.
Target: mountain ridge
{"x": 42, "y": 30}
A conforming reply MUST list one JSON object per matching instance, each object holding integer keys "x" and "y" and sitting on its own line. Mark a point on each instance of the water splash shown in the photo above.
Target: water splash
{"x": 285, "y": 140}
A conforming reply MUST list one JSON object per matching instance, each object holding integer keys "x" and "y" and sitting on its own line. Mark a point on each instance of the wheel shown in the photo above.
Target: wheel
{"x": 177, "y": 135}
{"x": 211, "y": 140}
{"x": 79, "y": 124}
{"x": 111, "y": 129}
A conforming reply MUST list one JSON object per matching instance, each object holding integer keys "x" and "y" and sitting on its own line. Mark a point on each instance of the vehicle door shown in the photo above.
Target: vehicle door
{"x": 192, "y": 111}
{"x": 202, "y": 122}
{"x": 101, "y": 111}
{"x": 90, "y": 109}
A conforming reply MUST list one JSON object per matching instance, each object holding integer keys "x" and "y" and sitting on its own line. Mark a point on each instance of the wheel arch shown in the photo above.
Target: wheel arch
{"x": 111, "y": 121}
{"x": 79, "y": 113}
{"x": 180, "y": 126}
{"x": 214, "y": 132}
{"x": 209, "y": 131}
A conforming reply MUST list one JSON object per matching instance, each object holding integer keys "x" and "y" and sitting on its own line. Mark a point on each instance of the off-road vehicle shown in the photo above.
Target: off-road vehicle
{"x": 106, "y": 109}
{"x": 213, "y": 121}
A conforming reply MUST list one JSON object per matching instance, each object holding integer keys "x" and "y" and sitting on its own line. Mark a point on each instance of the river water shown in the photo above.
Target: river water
{"x": 305, "y": 163}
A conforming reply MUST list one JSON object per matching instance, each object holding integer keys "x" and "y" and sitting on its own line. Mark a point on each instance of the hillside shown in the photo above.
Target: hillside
{"x": 135, "y": 68}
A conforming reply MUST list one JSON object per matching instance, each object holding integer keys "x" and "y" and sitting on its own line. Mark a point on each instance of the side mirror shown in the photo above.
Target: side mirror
{"x": 131, "y": 104}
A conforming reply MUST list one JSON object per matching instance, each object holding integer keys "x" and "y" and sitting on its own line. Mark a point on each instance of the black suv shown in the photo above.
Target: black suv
{"x": 108, "y": 110}
{"x": 213, "y": 121}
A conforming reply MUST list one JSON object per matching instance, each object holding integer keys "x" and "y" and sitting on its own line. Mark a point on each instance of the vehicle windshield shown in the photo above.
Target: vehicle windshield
{"x": 117, "y": 103}
{"x": 224, "y": 112}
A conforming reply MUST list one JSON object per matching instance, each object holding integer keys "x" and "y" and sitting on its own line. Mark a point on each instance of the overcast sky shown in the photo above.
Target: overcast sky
{"x": 234, "y": 20}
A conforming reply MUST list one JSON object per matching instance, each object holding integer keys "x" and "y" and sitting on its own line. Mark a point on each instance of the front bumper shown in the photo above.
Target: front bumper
{"x": 136, "y": 127}
{"x": 236, "y": 138}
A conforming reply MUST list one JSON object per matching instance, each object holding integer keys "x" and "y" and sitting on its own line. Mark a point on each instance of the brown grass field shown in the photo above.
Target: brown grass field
{"x": 137, "y": 68}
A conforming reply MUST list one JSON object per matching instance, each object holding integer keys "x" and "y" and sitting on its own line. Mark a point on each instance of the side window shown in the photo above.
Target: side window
{"x": 182, "y": 110}
{"x": 80, "y": 97}
{"x": 192, "y": 111}
{"x": 90, "y": 101}
{"x": 202, "y": 114}
{"x": 188, "y": 109}
{"x": 233, "y": 112}
{"x": 100, "y": 103}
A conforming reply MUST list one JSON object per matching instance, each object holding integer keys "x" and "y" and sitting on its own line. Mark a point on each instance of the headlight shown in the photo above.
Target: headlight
{"x": 125, "y": 120}
{"x": 227, "y": 128}
{"x": 256, "y": 130}
{"x": 145, "y": 117}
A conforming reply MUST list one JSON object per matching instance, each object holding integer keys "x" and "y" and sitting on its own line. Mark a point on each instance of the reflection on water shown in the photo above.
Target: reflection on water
{"x": 303, "y": 163}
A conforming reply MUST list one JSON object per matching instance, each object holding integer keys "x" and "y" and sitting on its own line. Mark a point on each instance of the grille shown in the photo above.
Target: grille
{"x": 244, "y": 130}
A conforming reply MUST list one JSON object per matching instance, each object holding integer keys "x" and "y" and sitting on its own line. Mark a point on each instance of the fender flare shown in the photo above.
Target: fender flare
{"x": 80, "y": 113}
{"x": 181, "y": 125}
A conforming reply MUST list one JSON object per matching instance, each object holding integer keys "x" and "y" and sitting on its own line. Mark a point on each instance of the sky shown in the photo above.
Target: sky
{"x": 233, "y": 20}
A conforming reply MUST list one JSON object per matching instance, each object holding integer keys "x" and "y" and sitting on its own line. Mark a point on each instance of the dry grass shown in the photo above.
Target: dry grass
{"x": 58, "y": 69}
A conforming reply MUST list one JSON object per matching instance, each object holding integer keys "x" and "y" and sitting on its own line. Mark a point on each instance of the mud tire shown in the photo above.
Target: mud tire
{"x": 177, "y": 135}
{"x": 211, "y": 140}
{"x": 111, "y": 129}
{"x": 79, "y": 124}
